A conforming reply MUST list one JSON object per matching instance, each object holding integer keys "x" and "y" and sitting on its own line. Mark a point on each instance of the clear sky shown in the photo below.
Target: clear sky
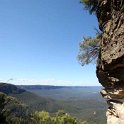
{"x": 39, "y": 42}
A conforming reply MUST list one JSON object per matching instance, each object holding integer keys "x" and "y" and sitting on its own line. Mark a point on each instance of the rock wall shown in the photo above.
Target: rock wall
{"x": 110, "y": 67}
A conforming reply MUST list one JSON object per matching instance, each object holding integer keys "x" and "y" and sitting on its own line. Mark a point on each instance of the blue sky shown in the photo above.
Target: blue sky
{"x": 39, "y": 42}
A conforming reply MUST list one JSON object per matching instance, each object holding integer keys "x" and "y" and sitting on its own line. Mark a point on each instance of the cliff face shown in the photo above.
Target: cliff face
{"x": 110, "y": 67}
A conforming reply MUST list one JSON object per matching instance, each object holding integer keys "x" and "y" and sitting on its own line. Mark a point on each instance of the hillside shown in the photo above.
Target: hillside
{"x": 10, "y": 89}
{"x": 34, "y": 101}
{"x": 14, "y": 112}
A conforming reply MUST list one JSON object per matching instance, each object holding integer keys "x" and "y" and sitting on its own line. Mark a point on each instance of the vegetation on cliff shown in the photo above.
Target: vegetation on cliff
{"x": 90, "y": 46}
{"x": 90, "y": 5}
{"x": 89, "y": 49}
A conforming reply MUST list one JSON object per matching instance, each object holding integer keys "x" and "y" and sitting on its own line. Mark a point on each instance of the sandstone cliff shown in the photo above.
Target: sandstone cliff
{"x": 110, "y": 67}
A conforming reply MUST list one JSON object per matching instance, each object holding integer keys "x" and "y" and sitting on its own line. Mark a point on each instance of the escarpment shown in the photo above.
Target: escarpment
{"x": 110, "y": 67}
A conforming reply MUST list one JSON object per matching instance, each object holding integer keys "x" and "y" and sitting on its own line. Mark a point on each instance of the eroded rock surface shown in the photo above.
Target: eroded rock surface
{"x": 110, "y": 68}
{"x": 115, "y": 100}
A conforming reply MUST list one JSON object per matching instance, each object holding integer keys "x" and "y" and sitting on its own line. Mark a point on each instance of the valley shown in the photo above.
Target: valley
{"x": 84, "y": 103}
{"x": 81, "y": 102}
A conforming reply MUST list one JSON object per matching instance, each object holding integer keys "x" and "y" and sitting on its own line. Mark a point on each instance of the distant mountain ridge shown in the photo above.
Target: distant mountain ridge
{"x": 49, "y": 87}
{"x": 40, "y": 87}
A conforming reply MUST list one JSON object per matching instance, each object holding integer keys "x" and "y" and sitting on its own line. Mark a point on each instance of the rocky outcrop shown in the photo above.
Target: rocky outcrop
{"x": 110, "y": 67}
{"x": 115, "y": 100}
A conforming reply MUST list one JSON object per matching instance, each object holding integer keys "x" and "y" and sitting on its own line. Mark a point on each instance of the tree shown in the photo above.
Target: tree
{"x": 41, "y": 118}
{"x": 89, "y": 49}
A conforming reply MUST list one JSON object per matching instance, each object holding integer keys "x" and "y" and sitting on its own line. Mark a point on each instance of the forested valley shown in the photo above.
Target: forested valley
{"x": 37, "y": 104}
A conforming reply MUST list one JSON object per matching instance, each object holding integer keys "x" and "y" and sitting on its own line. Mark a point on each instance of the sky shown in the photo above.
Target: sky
{"x": 39, "y": 42}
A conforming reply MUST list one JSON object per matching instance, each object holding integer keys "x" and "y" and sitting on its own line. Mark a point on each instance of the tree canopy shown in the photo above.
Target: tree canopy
{"x": 90, "y": 5}
{"x": 60, "y": 118}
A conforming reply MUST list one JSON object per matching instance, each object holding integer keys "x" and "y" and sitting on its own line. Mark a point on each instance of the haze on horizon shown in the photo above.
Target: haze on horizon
{"x": 39, "y": 42}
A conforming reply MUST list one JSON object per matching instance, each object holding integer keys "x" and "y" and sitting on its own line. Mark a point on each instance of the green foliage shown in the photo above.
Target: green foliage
{"x": 89, "y": 49}
{"x": 90, "y": 5}
{"x": 12, "y": 111}
{"x": 41, "y": 118}
{"x": 60, "y": 118}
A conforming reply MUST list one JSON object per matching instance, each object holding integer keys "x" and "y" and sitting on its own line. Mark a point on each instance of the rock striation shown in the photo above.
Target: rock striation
{"x": 115, "y": 100}
{"x": 110, "y": 66}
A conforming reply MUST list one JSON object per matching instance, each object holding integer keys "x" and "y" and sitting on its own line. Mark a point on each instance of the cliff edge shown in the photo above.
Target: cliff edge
{"x": 110, "y": 67}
